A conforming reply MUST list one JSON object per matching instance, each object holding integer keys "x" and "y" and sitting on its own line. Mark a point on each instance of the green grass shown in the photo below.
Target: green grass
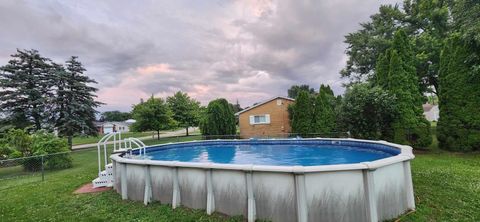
{"x": 79, "y": 140}
{"x": 447, "y": 188}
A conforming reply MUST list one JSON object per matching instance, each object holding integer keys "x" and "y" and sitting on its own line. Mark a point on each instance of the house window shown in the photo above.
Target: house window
{"x": 260, "y": 119}
{"x": 279, "y": 102}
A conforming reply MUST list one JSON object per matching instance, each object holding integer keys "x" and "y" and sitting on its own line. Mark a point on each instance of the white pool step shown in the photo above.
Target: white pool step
{"x": 105, "y": 178}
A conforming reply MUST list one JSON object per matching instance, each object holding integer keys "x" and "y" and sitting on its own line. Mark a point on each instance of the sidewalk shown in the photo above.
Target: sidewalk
{"x": 180, "y": 132}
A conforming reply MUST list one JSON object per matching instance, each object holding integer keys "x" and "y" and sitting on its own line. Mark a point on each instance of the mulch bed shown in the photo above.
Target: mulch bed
{"x": 88, "y": 188}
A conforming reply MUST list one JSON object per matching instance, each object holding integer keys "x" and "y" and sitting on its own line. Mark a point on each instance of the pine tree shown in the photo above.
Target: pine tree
{"x": 219, "y": 119}
{"x": 74, "y": 101}
{"x": 302, "y": 114}
{"x": 324, "y": 112}
{"x": 25, "y": 89}
{"x": 459, "y": 124}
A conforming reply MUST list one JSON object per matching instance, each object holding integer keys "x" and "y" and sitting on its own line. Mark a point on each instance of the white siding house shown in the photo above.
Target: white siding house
{"x": 431, "y": 112}
{"x": 109, "y": 127}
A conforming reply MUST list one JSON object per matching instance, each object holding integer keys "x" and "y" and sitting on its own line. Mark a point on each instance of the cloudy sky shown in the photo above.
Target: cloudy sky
{"x": 245, "y": 50}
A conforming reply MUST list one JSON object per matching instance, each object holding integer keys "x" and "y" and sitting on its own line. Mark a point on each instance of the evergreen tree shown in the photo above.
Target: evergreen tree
{"x": 74, "y": 101}
{"x": 410, "y": 126}
{"x": 153, "y": 114}
{"x": 459, "y": 124}
{"x": 219, "y": 119}
{"x": 25, "y": 89}
{"x": 381, "y": 70}
{"x": 326, "y": 89}
{"x": 302, "y": 114}
{"x": 324, "y": 118}
{"x": 185, "y": 110}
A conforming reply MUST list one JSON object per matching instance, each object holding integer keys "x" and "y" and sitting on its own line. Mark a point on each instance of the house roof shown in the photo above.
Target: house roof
{"x": 262, "y": 103}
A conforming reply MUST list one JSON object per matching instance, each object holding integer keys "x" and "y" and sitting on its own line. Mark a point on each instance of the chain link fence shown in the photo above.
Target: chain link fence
{"x": 34, "y": 165}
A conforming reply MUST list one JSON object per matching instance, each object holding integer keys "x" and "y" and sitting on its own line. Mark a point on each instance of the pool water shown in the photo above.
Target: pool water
{"x": 269, "y": 154}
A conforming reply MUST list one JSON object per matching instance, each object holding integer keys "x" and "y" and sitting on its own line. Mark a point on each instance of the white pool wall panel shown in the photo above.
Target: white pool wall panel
{"x": 330, "y": 193}
{"x": 274, "y": 195}
{"x": 230, "y": 192}
{"x": 371, "y": 191}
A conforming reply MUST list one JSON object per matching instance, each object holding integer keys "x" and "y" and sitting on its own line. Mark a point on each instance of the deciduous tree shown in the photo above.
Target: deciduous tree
{"x": 153, "y": 114}
{"x": 219, "y": 119}
{"x": 115, "y": 116}
{"x": 185, "y": 110}
{"x": 295, "y": 90}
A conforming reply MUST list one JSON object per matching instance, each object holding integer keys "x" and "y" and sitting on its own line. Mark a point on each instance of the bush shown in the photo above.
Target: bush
{"x": 18, "y": 143}
{"x": 46, "y": 143}
{"x": 5, "y": 151}
{"x": 368, "y": 112}
{"x": 20, "y": 140}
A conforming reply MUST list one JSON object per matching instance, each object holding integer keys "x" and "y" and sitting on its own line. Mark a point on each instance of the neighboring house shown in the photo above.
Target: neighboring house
{"x": 431, "y": 112}
{"x": 268, "y": 118}
{"x": 109, "y": 127}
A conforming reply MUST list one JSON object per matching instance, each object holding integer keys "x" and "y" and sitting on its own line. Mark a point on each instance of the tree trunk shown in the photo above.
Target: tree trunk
{"x": 158, "y": 134}
{"x": 69, "y": 139}
{"x": 37, "y": 121}
{"x": 186, "y": 130}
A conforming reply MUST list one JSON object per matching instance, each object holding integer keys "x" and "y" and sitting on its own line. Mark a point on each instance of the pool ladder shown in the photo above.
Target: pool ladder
{"x": 105, "y": 177}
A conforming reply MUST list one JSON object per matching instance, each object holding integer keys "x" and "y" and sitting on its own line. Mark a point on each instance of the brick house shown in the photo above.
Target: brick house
{"x": 268, "y": 118}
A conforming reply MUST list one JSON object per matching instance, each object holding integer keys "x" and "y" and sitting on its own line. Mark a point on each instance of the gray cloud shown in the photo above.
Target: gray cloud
{"x": 246, "y": 50}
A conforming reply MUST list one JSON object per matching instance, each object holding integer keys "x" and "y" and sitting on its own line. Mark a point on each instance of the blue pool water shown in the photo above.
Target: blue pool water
{"x": 270, "y": 154}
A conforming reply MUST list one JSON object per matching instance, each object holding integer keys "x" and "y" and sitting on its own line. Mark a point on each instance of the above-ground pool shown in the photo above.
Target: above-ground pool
{"x": 278, "y": 180}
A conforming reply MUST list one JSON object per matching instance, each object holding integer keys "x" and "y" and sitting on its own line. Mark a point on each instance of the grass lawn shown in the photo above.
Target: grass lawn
{"x": 78, "y": 140}
{"x": 447, "y": 188}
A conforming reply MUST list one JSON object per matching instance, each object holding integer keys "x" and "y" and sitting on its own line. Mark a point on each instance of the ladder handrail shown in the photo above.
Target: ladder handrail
{"x": 106, "y": 139}
{"x": 104, "y": 142}
{"x": 139, "y": 144}
{"x": 99, "y": 151}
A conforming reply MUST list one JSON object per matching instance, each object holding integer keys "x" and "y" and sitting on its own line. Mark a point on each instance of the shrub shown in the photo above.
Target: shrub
{"x": 368, "y": 112}
{"x": 18, "y": 143}
{"x": 20, "y": 140}
{"x": 46, "y": 143}
{"x": 5, "y": 151}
